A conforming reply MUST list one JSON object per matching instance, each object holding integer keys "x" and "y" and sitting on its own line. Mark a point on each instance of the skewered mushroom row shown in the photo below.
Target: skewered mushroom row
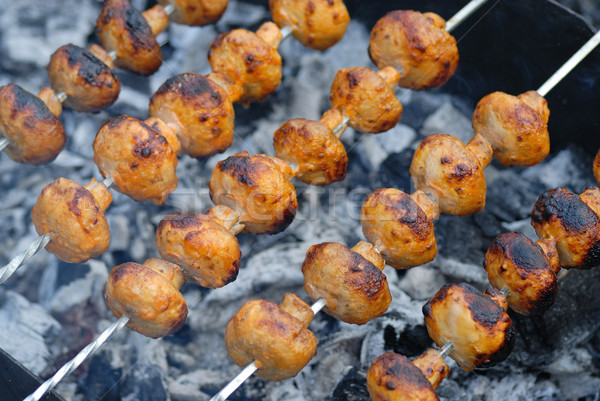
{"x": 83, "y": 79}
{"x": 448, "y": 176}
{"x": 523, "y": 276}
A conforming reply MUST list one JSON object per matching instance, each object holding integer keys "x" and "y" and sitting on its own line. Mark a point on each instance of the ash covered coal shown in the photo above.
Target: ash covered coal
{"x": 50, "y": 309}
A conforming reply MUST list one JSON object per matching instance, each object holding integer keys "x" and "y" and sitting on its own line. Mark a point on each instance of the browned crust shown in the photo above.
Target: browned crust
{"x": 36, "y": 136}
{"x": 355, "y": 291}
{"x": 257, "y": 189}
{"x": 417, "y": 46}
{"x": 154, "y": 306}
{"x": 320, "y": 156}
{"x": 513, "y": 261}
{"x": 122, "y": 28}
{"x": 393, "y": 222}
{"x": 564, "y": 216}
{"x": 199, "y": 110}
{"x": 393, "y": 377}
{"x": 88, "y": 83}
{"x": 196, "y": 12}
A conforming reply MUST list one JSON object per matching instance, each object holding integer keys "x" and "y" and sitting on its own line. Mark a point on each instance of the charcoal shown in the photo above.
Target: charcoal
{"x": 352, "y": 387}
{"x": 394, "y": 171}
{"x": 102, "y": 380}
{"x": 447, "y": 119}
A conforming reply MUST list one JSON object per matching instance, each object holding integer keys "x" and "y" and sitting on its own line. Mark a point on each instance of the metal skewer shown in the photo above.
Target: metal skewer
{"x": 286, "y": 31}
{"x": 3, "y": 143}
{"x": 463, "y": 14}
{"x": 74, "y": 363}
{"x": 251, "y": 367}
{"x": 446, "y": 349}
{"x": 570, "y": 64}
{"x": 36, "y": 246}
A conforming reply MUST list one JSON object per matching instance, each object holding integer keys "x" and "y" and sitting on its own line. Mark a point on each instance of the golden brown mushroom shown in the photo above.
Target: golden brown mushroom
{"x": 196, "y": 12}
{"x": 248, "y": 61}
{"x": 35, "y": 134}
{"x": 481, "y": 332}
{"x": 275, "y": 337}
{"x": 206, "y": 250}
{"x": 393, "y": 377}
{"x": 148, "y": 295}
{"x": 74, "y": 218}
{"x": 365, "y": 97}
{"x": 515, "y": 264}
{"x": 88, "y": 83}
{"x": 124, "y": 30}
{"x": 566, "y": 222}
{"x": 399, "y": 228}
{"x": 318, "y": 24}
{"x": 319, "y": 154}
{"x": 515, "y": 126}
{"x": 139, "y": 159}
{"x": 354, "y": 289}
{"x": 417, "y": 45}
{"x": 199, "y": 110}
{"x": 445, "y": 168}
{"x": 256, "y": 187}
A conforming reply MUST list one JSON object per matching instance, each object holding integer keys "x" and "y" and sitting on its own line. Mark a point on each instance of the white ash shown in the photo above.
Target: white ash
{"x": 193, "y": 364}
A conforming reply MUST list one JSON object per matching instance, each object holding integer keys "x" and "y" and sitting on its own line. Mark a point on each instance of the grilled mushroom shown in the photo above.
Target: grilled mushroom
{"x": 88, "y": 83}
{"x": 318, "y": 24}
{"x": 274, "y": 337}
{"x": 366, "y": 99}
{"x": 139, "y": 159}
{"x": 257, "y": 187}
{"x": 124, "y": 30}
{"x": 35, "y": 134}
{"x": 148, "y": 295}
{"x": 354, "y": 289}
{"x": 196, "y": 12}
{"x": 74, "y": 218}
{"x": 206, "y": 250}
{"x": 417, "y": 45}
{"x": 198, "y": 110}
{"x": 515, "y": 126}
{"x": 480, "y": 330}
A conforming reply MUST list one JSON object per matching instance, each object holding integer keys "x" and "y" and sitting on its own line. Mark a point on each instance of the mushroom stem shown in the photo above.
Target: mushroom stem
{"x": 270, "y": 33}
{"x": 52, "y": 100}
{"x": 431, "y": 363}
{"x": 157, "y": 18}
{"x": 74, "y": 363}
{"x": 482, "y": 149}
{"x": 391, "y": 76}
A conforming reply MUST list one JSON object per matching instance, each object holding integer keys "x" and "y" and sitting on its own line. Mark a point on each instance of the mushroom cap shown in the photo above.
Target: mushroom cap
{"x": 563, "y": 216}
{"x": 73, "y": 218}
{"x": 318, "y": 24}
{"x": 147, "y": 297}
{"x": 393, "y": 377}
{"x": 480, "y": 330}
{"x": 443, "y": 167}
{"x": 139, "y": 159}
{"x": 515, "y": 126}
{"x": 415, "y": 44}
{"x": 366, "y": 99}
{"x": 398, "y": 227}
{"x": 320, "y": 156}
{"x": 88, "y": 83}
{"x": 255, "y": 187}
{"x": 208, "y": 253}
{"x": 35, "y": 135}
{"x": 278, "y": 342}
{"x": 248, "y": 62}
{"x": 515, "y": 263}
{"x": 354, "y": 290}
{"x": 123, "y": 29}
{"x": 196, "y": 12}
{"x": 199, "y": 110}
